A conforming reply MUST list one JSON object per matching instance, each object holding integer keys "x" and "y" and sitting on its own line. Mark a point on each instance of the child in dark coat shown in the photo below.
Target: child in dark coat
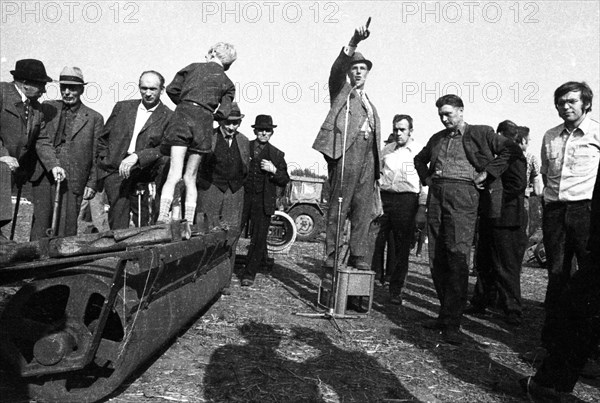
{"x": 203, "y": 93}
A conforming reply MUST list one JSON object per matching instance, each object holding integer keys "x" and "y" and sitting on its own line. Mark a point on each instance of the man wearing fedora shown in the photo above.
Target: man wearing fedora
{"x": 354, "y": 116}
{"x": 72, "y": 129}
{"x": 267, "y": 172}
{"x": 21, "y": 120}
{"x": 129, "y": 151}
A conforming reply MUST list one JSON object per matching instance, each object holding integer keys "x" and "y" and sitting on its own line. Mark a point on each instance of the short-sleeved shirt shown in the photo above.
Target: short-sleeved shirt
{"x": 570, "y": 161}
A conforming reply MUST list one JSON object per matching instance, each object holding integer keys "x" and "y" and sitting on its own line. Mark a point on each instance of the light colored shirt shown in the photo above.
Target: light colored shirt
{"x": 141, "y": 118}
{"x": 23, "y": 97}
{"x": 570, "y": 161}
{"x": 398, "y": 173}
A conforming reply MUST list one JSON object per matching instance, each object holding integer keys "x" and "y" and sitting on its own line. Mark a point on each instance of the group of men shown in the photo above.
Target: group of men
{"x": 472, "y": 174}
{"x": 67, "y": 153}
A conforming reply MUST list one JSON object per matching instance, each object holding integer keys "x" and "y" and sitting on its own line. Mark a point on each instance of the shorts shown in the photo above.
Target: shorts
{"x": 190, "y": 126}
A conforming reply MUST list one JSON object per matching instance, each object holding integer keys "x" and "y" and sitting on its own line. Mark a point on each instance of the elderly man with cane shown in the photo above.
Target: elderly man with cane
{"x": 349, "y": 140}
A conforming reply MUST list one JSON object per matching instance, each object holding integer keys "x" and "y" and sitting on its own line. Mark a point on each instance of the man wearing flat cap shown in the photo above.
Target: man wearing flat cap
{"x": 267, "y": 172}
{"x": 21, "y": 120}
{"x": 352, "y": 121}
{"x": 129, "y": 154}
{"x": 73, "y": 129}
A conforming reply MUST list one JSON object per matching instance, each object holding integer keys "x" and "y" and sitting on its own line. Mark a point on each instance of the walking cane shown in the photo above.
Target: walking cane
{"x": 16, "y": 213}
{"x": 52, "y": 231}
{"x": 139, "y": 192}
{"x": 334, "y": 277}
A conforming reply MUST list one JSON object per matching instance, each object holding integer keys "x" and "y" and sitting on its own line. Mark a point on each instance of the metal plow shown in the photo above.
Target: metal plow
{"x": 86, "y": 321}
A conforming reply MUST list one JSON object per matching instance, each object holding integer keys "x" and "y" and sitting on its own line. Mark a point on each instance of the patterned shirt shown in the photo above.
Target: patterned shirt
{"x": 570, "y": 161}
{"x": 533, "y": 170}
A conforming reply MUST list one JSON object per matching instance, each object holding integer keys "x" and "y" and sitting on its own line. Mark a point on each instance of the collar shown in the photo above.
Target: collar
{"x": 23, "y": 97}
{"x": 74, "y": 108}
{"x": 224, "y": 135}
{"x": 141, "y": 107}
{"x": 584, "y": 126}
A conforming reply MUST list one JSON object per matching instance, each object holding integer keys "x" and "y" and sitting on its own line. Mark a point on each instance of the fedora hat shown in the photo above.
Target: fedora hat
{"x": 263, "y": 122}
{"x": 71, "y": 75}
{"x": 30, "y": 69}
{"x": 236, "y": 113}
{"x": 357, "y": 57}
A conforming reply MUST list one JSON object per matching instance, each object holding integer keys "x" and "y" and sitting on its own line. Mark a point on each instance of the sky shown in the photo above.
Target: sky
{"x": 504, "y": 58}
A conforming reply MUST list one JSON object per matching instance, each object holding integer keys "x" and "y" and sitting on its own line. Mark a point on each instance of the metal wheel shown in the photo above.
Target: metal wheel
{"x": 48, "y": 322}
{"x": 282, "y": 232}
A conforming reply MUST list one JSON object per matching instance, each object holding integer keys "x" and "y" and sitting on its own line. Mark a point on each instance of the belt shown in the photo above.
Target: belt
{"x": 448, "y": 180}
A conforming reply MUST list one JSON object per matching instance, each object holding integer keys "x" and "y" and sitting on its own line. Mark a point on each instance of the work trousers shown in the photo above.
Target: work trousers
{"x": 399, "y": 211}
{"x": 257, "y": 253}
{"x": 499, "y": 256}
{"x": 451, "y": 217}
{"x": 43, "y": 193}
{"x": 357, "y": 189}
{"x": 566, "y": 227}
{"x": 576, "y": 332}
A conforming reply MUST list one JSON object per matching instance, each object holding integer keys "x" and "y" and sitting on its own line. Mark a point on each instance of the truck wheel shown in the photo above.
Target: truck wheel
{"x": 282, "y": 232}
{"x": 309, "y": 222}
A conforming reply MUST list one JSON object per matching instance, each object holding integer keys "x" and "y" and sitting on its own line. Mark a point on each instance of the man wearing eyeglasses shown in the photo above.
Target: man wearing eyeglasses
{"x": 21, "y": 120}
{"x": 267, "y": 172}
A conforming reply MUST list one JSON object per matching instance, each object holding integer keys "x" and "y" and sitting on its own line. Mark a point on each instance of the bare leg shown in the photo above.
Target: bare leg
{"x": 191, "y": 192}
{"x": 175, "y": 171}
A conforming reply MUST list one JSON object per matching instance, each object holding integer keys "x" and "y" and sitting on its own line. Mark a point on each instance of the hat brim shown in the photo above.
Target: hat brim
{"x": 236, "y": 117}
{"x": 365, "y": 61}
{"x": 264, "y": 126}
{"x": 18, "y": 76}
{"x": 71, "y": 82}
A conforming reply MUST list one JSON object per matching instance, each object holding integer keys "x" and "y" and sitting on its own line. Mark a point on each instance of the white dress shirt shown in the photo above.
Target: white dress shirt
{"x": 141, "y": 118}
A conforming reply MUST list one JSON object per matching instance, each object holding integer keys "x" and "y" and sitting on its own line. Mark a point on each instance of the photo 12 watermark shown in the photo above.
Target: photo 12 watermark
{"x": 53, "y": 12}
{"x": 270, "y": 11}
{"x": 471, "y": 91}
{"x": 452, "y": 12}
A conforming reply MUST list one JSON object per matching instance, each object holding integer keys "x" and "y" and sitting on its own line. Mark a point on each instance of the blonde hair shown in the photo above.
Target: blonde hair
{"x": 225, "y": 52}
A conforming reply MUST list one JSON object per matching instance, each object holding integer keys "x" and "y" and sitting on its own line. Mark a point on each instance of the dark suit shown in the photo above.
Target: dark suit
{"x": 361, "y": 168}
{"x": 502, "y": 242}
{"x": 259, "y": 202}
{"x": 76, "y": 154}
{"x": 17, "y": 139}
{"x": 452, "y": 211}
{"x": 112, "y": 149}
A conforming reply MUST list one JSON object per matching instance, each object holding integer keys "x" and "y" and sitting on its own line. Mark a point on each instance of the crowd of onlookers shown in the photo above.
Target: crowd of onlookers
{"x": 465, "y": 179}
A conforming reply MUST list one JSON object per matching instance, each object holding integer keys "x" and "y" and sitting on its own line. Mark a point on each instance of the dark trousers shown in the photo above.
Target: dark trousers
{"x": 257, "y": 254}
{"x": 6, "y": 208}
{"x": 566, "y": 227}
{"x": 576, "y": 333}
{"x": 122, "y": 197}
{"x": 451, "y": 216}
{"x": 43, "y": 194}
{"x": 499, "y": 256}
{"x": 399, "y": 211}
{"x": 216, "y": 208}
{"x": 357, "y": 188}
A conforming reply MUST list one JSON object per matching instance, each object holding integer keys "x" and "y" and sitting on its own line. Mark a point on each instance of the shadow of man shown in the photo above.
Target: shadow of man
{"x": 296, "y": 365}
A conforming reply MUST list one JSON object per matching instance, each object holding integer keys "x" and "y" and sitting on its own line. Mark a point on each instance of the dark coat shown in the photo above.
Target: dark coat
{"x": 270, "y": 181}
{"x": 514, "y": 183}
{"x": 485, "y": 150}
{"x": 118, "y": 131}
{"x": 205, "y": 171}
{"x": 78, "y": 156}
{"x": 18, "y": 139}
{"x": 330, "y": 139}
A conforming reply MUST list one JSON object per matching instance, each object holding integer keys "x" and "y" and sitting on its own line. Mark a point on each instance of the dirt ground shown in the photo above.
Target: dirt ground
{"x": 251, "y": 346}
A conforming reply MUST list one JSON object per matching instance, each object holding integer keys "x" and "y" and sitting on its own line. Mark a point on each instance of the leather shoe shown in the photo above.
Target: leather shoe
{"x": 434, "y": 324}
{"x": 396, "y": 299}
{"x": 475, "y": 310}
{"x": 453, "y": 336}
{"x": 359, "y": 263}
{"x": 247, "y": 282}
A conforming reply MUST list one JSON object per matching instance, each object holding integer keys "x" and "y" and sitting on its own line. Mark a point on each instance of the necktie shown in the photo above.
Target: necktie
{"x": 367, "y": 104}
{"x": 27, "y": 109}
